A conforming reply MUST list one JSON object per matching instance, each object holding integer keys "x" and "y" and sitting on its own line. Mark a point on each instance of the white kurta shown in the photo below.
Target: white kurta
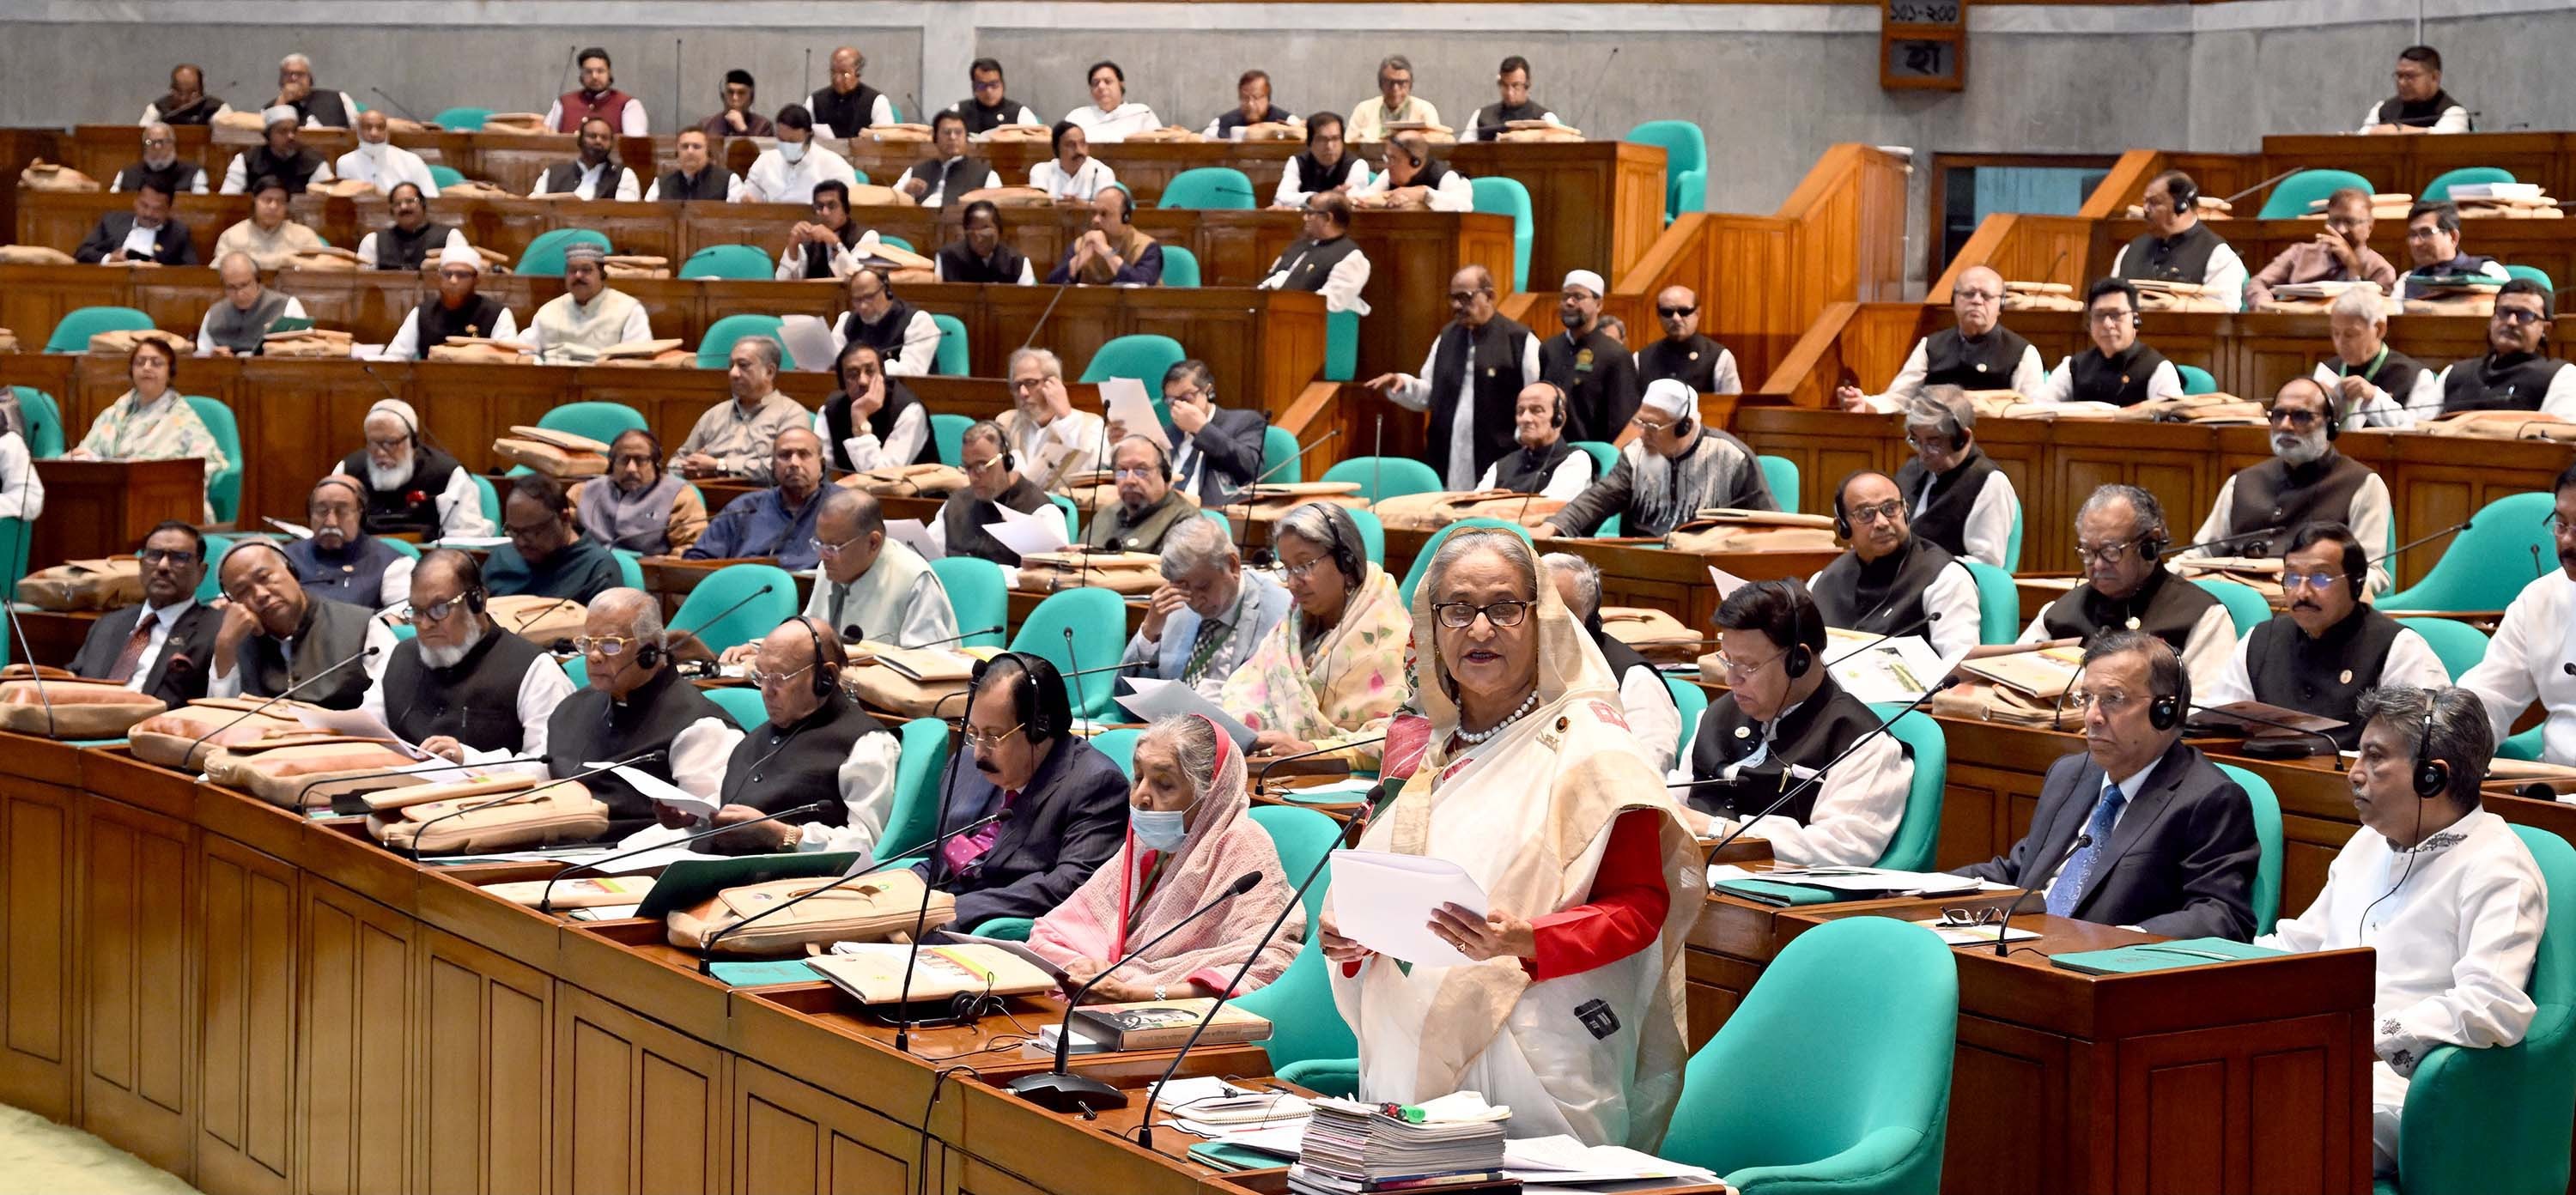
{"x": 1342, "y": 287}
{"x": 902, "y": 442}
{"x": 1456, "y": 193}
{"x": 567, "y": 332}
{"x": 772, "y": 180}
{"x": 928, "y": 617}
{"x": 453, "y": 248}
{"x": 460, "y": 503}
{"x": 1952, "y": 596}
{"x": 865, "y": 781}
{"x": 405, "y": 346}
{"x": 1988, "y": 534}
{"x": 237, "y": 181}
{"x": 919, "y": 351}
{"x": 2224, "y": 277}
{"x": 2423, "y": 400}
{"x": 1413, "y": 393}
{"x": 540, "y": 691}
{"x": 1117, "y": 124}
{"x": 390, "y": 165}
{"x": 2526, "y": 662}
{"x": 2028, "y": 379}
{"x": 223, "y": 683}
{"x": 22, "y": 492}
{"x": 1858, "y": 808}
{"x": 2559, "y": 400}
{"x": 1569, "y": 477}
{"x": 1048, "y": 453}
{"x": 1650, "y": 711}
{"x": 733, "y": 188}
{"x": 1292, "y": 184}
{"x": 2371, "y": 520}
{"x": 2456, "y": 923}
{"x": 935, "y": 197}
{"x": 2454, "y": 119}
{"x": 595, "y": 183}
{"x": 1085, "y": 181}
{"x": 2410, "y": 662}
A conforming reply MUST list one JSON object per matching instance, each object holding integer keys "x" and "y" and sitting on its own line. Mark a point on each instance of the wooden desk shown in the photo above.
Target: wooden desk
{"x": 54, "y": 637}
{"x": 105, "y": 508}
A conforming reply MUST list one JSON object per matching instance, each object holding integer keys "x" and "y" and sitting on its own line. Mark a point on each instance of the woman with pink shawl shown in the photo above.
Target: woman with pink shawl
{"x": 1190, "y": 836}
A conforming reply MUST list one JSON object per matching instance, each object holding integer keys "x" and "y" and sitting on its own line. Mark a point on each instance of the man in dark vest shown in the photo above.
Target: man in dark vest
{"x": 817, "y": 742}
{"x": 2517, "y": 374}
{"x": 740, "y": 116}
{"x": 594, "y": 172}
{"x": 341, "y": 563}
{"x": 1597, "y": 372}
{"x": 938, "y": 180}
{"x": 988, "y": 108}
{"x": 463, "y": 687}
{"x": 161, "y": 164}
{"x": 992, "y": 480}
{"x": 598, "y": 98}
{"x": 186, "y": 103}
{"x": 1476, "y": 371}
{"x": 407, "y": 243}
{"x": 1325, "y": 260}
{"x": 2306, "y": 481}
{"x": 822, "y": 249}
{"x": 1684, "y": 355}
{"x": 114, "y": 241}
{"x": 1643, "y": 697}
{"x": 2375, "y": 385}
{"x": 979, "y": 254}
{"x": 2120, "y": 541}
{"x": 2420, "y": 105}
{"x": 1892, "y": 581}
{"x": 281, "y": 155}
{"x": 847, "y": 105}
{"x": 238, "y": 325}
{"x": 2433, "y": 249}
{"x": 411, "y": 488}
{"x": 1954, "y": 495}
{"x": 2178, "y": 247}
{"x": 636, "y": 704}
{"x": 872, "y": 421}
{"x": 2330, "y": 647}
{"x": 458, "y": 309}
{"x": 313, "y": 105}
{"x": 2118, "y": 369}
{"x": 1976, "y": 353}
{"x": 1546, "y": 462}
{"x": 1413, "y": 174}
{"x": 276, "y": 640}
{"x": 905, "y": 337}
{"x": 1252, "y": 106}
{"x": 1781, "y": 720}
{"x": 1512, "y": 81}
{"x": 161, "y": 648}
{"x": 695, "y": 174}
{"x": 1149, "y": 506}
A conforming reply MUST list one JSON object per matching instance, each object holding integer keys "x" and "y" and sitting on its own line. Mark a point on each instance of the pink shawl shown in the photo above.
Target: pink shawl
{"x": 1223, "y": 843}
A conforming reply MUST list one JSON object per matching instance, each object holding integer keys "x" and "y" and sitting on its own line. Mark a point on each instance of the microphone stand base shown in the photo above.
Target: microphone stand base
{"x": 2273, "y": 748}
{"x": 920, "y": 1014}
{"x": 1060, "y": 1092}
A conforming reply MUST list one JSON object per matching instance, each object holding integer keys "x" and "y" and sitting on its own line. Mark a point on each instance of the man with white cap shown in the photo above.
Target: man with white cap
{"x": 161, "y": 165}
{"x": 1597, "y": 373}
{"x": 458, "y": 309}
{"x": 411, "y": 487}
{"x": 1471, "y": 381}
{"x": 283, "y": 156}
{"x": 590, "y": 317}
{"x": 1675, "y": 468}
{"x": 377, "y": 160}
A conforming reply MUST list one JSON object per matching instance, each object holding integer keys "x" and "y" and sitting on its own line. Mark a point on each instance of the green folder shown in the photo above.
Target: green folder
{"x": 764, "y": 973}
{"x": 692, "y": 880}
{"x": 1771, "y": 892}
{"x": 2159, "y": 956}
{"x": 291, "y": 323}
{"x": 1228, "y": 1156}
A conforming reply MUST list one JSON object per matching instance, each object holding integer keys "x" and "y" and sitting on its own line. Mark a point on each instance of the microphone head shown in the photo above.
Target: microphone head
{"x": 1245, "y": 883}
{"x": 854, "y": 633}
{"x": 2568, "y": 668}
{"x": 2536, "y": 791}
{"x": 561, "y": 647}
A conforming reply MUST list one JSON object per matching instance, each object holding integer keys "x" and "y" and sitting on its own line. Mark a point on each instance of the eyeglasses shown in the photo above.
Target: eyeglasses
{"x": 1889, "y": 511}
{"x": 1975, "y": 296}
{"x": 2342, "y": 223}
{"x": 1970, "y": 918}
{"x": 526, "y": 530}
{"x": 2108, "y": 315}
{"x": 2080, "y": 700}
{"x": 2105, "y": 554}
{"x": 1936, "y": 444}
{"x": 166, "y": 556}
{"x": 1022, "y": 385}
{"x": 1677, "y": 312}
{"x": 435, "y": 611}
{"x": 1737, "y": 669}
{"x": 1460, "y": 615}
{"x": 609, "y": 647}
{"x": 149, "y": 142}
{"x": 985, "y": 742}
{"x": 762, "y": 680}
{"x": 2290, "y": 580}
{"x": 833, "y": 549}
{"x": 1297, "y": 572}
{"x": 1139, "y": 472}
{"x": 2295, "y": 417}
{"x": 389, "y": 444}
{"x": 2555, "y": 524}
{"x": 2519, "y": 315}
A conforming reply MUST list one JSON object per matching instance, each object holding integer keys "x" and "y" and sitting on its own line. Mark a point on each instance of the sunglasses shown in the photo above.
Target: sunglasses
{"x": 1677, "y": 312}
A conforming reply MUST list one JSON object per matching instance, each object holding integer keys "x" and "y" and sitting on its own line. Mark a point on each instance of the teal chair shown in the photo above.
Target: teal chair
{"x": 2486, "y": 566}
{"x": 1142, "y": 357}
{"x": 2521, "y": 746}
{"x": 1180, "y": 266}
{"x": 975, "y": 592}
{"x": 1685, "y": 152}
{"x": 216, "y": 546}
{"x": 1280, "y": 463}
{"x": 742, "y": 704}
{"x": 1386, "y": 476}
{"x": 445, "y": 176}
{"x": 2290, "y": 200}
{"x": 1098, "y": 620}
{"x": 897, "y": 242}
{"x": 1781, "y": 474}
{"x": 2533, "y": 274}
{"x": 601, "y": 421}
{"x": 2245, "y": 608}
{"x": 1120, "y": 746}
{"x": 951, "y": 361}
{"x": 14, "y": 536}
{"x": 462, "y": 120}
{"x": 2439, "y": 190}
{"x": 1072, "y": 517}
{"x": 630, "y": 568}
{"x": 2196, "y": 380}
{"x": 1207, "y": 189}
{"x": 1008, "y": 929}
{"x": 1218, "y": 517}
{"x": 490, "y": 498}
{"x": 1372, "y": 536}
{"x": 1910, "y": 848}
{"x": 716, "y": 350}
{"x": 1304, "y": 1023}
{"x": 948, "y": 437}
{"x": 2267, "y": 834}
{"x": 2494, "y": 1121}
{"x": 1690, "y": 701}
{"x": 2012, "y": 543}
{"x": 223, "y": 490}
{"x": 73, "y": 333}
{"x": 544, "y": 255}
{"x": 1507, "y": 197}
{"x": 711, "y": 614}
{"x": 1605, "y": 457}
{"x": 1852, "y": 1027}
{"x": 44, "y": 420}
{"x": 1998, "y": 603}
{"x": 916, "y": 788}
{"x": 1431, "y": 548}
{"x": 2457, "y": 644}
{"x": 738, "y": 263}
{"x": 1341, "y": 345}
{"x": 1690, "y": 193}
{"x": 578, "y": 668}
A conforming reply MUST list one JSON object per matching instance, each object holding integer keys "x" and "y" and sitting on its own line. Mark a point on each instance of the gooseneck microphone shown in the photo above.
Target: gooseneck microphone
{"x": 727, "y": 612}
{"x": 262, "y": 707}
{"x": 1791, "y": 793}
{"x": 2002, "y": 946}
{"x": 545, "y": 898}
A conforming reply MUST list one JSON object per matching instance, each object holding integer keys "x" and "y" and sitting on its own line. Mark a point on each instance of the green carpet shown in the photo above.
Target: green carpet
{"x": 37, "y": 1155}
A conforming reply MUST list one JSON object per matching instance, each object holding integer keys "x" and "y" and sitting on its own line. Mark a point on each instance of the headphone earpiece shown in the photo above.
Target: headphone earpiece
{"x": 2431, "y": 775}
{"x": 1842, "y": 522}
{"x": 1010, "y": 463}
{"x": 476, "y": 599}
{"x": 1798, "y": 659}
{"x": 649, "y": 656}
{"x": 2165, "y": 712}
{"x": 1557, "y": 420}
{"x": 822, "y": 684}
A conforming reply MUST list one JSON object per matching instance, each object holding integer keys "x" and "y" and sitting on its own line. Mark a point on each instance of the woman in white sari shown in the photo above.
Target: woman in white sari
{"x": 1572, "y": 1012}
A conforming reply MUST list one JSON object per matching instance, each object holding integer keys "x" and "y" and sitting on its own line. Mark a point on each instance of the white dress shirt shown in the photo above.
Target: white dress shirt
{"x": 22, "y": 491}
{"x": 920, "y": 348}
{"x": 2223, "y": 278}
{"x": 1652, "y": 716}
{"x": 1049, "y": 453}
{"x": 162, "y": 620}
{"x": 1952, "y": 595}
{"x": 2028, "y": 380}
{"x": 1858, "y": 808}
{"x": 2164, "y": 383}
{"x": 1454, "y": 194}
{"x": 1118, "y": 124}
{"x": 936, "y": 197}
{"x": 452, "y": 249}
{"x": 205, "y": 334}
{"x": 1342, "y": 286}
{"x": 2527, "y": 662}
{"x": 2371, "y": 518}
{"x": 1413, "y": 393}
{"x": 1087, "y": 180}
{"x": 1988, "y": 533}
{"x": 2410, "y": 662}
{"x": 2204, "y": 650}
{"x": 593, "y": 179}
{"x": 2423, "y": 400}
{"x": 237, "y": 181}
{"x": 543, "y": 688}
{"x": 630, "y": 119}
{"x": 405, "y": 346}
{"x": 772, "y": 180}
{"x": 388, "y": 165}
{"x": 902, "y": 442}
{"x": 2559, "y": 401}
{"x": 1292, "y": 185}
{"x": 460, "y": 504}
{"x": 1569, "y": 478}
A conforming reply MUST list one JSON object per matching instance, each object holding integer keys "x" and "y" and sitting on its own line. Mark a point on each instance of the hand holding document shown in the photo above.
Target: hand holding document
{"x": 1123, "y": 399}
{"x": 1155, "y": 699}
{"x": 1384, "y": 901}
{"x": 357, "y": 724}
{"x": 809, "y": 342}
{"x": 662, "y": 791}
{"x": 1029, "y": 534}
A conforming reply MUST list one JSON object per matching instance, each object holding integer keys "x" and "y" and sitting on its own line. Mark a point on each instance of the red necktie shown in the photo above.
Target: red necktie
{"x": 133, "y": 653}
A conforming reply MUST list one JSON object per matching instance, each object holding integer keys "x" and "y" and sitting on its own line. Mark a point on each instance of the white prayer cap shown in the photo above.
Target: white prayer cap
{"x": 584, "y": 251}
{"x": 402, "y": 410}
{"x": 1587, "y": 280}
{"x": 1671, "y": 396}
{"x": 468, "y": 259}
{"x": 284, "y": 112}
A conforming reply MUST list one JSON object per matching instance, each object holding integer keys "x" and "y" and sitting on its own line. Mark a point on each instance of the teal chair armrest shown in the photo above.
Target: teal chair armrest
{"x": 1011, "y": 929}
{"x": 2460, "y": 1104}
{"x": 2521, "y": 746}
{"x": 1331, "y": 1076}
{"x": 1891, "y": 1159}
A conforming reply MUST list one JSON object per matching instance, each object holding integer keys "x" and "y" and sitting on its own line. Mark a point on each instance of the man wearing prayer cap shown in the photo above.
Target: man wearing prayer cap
{"x": 740, "y": 116}
{"x": 458, "y": 309}
{"x": 410, "y": 487}
{"x": 1675, "y": 468}
{"x": 283, "y": 156}
{"x": 590, "y": 317}
{"x": 1597, "y": 373}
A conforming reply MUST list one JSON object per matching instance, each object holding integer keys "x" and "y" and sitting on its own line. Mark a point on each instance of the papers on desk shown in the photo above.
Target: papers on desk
{"x": 142, "y": 242}
{"x": 1854, "y": 883}
{"x": 467, "y": 543}
{"x": 1974, "y": 935}
{"x": 1384, "y": 900}
{"x": 1561, "y": 1159}
{"x": 358, "y": 724}
{"x": 1030, "y": 534}
{"x": 929, "y": 539}
{"x": 661, "y": 791}
{"x": 809, "y": 342}
{"x": 1154, "y": 699}
{"x": 1125, "y": 403}
{"x": 1878, "y": 671}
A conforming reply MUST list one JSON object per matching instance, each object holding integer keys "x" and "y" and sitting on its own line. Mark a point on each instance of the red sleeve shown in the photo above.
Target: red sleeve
{"x": 1629, "y": 899}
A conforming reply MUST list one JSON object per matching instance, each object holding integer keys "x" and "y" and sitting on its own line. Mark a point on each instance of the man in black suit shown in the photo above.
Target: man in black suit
{"x": 2166, "y": 840}
{"x": 160, "y": 648}
{"x": 1064, "y": 804}
{"x": 1214, "y": 451}
{"x": 171, "y": 246}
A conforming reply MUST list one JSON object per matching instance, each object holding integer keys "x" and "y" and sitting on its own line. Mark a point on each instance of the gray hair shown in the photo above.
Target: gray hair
{"x": 1394, "y": 62}
{"x": 2362, "y": 302}
{"x": 1052, "y": 364}
{"x": 161, "y": 127}
{"x": 985, "y": 430}
{"x": 2165, "y": 674}
{"x": 642, "y": 612}
{"x": 1194, "y": 544}
{"x": 1322, "y": 525}
{"x": 1944, "y": 409}
{"x": 857, "y": 503}
{"x": 762, "y": 347}
{"x": 1193, "y": 743}
{"x": 296, "y": 59}
{"x": 1587, "y": 581}
{"x": 2461, "y": 736}
{"x": 2149, "y": 513}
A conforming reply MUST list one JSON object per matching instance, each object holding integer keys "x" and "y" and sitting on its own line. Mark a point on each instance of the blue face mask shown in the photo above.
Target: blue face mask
{"x": 1158, "y": 829}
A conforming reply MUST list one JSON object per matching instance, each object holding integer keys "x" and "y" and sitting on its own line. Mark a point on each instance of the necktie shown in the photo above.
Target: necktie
{"x": 2071, "y": 878}
{"x": 128, "y": 659}
{"x": 1210, "y": 635}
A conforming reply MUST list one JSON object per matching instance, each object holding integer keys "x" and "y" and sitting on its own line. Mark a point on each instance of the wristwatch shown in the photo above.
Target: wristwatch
{"x": 795, "y": 836}
{"x": 1158, "y": 993}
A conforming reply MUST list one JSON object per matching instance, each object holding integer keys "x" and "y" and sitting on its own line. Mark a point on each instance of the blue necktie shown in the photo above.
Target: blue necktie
{"x": 2071, "y": 878}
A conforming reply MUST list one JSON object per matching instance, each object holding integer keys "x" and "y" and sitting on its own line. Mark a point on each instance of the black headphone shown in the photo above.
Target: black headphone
{"x": 1346, "y": 556}
{"x": 822, "y": 684}
{"x": 2431, "y": 775}
{"x": 2165, "y": 711}
{"x": 2333, "y": 418}
{"x": 1842, "y": 522}
{"x": 2184, "y": 191}
{"x": 1556, "y": 416}
{"x": 1799, "y": 658}
{"x": 649, "y": 656}
{"x": 1046, "y": 718}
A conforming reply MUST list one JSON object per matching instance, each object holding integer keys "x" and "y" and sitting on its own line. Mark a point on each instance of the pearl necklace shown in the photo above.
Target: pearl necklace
{"x": 1477, "y": 737}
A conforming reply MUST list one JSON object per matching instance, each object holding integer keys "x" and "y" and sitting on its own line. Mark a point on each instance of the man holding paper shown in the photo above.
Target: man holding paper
{"x": 461, "y": 687}
{"x": 1148, "y": 507}
{"x": 816, "y": 741}
{"x": 993, "y": 485}
{"x": 2330, "y": 647}
{"x": 1051, "y": 440}
{"x": 1208, "y": 615}
{"x": 865, "y": 583}
{"x": 635, "y": 703}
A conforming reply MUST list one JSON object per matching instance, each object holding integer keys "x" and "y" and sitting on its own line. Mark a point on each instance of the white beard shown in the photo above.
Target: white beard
{"x": 2297, "y": 449}
{"x": 382, "y": 478}
{"x": 447, "y": 657}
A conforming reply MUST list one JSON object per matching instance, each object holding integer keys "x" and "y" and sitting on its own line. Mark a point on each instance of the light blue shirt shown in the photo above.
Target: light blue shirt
{"x": 1260, "y": 604}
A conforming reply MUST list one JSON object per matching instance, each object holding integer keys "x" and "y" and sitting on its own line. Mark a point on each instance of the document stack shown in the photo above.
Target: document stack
{"x": 1451, "y": 1144}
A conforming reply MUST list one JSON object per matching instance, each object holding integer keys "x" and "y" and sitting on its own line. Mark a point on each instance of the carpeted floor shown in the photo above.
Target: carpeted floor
{"x": 37, "y": 1155}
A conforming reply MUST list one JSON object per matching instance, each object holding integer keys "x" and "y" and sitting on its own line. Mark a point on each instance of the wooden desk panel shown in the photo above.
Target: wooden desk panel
{"x": 2406, "y": 164}
{"x": 105, "y": 508}
{"x": 1595, "y": 205}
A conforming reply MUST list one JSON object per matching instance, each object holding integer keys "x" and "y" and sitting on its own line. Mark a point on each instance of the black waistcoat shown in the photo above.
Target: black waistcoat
{"x": 475, "y": 702}
{"x": 1807, "y": 737}
{"x": 1986, "y": 363}
{"x": 1526, "y": 471}
{"x": 898, "y": 399}
{"x": 2183, "y": 257}
{"x": 963, "y": 517}
{"x": 885, "y": 335}
{"x": 1492, "y": 118}
{"x": 434, "y": 323}
{"x": 847, "y": 114}
{"x": 1692, "y": 362}
{"x": 2120, "y": 381}
{"x": 174, "y": 179}
{"x": 330, "y": 633}
{"x": 1884, "y": 596}
{"x": 1494, "y": 352}
{"x": 2166, "y": 607}
{"x": 1309, "y": 263}
{"x": 2276, "y": 494}
{"x": 2513, "y": 382}
{"x": 1942, "y": 517}
{"x": 588, "y": 727}
{"x": 980, "y": 119}
{"x": 296, "y": 172}
{"x": 1622, "y": 658}
{"x": 564, "y": 178}
{"x": 196, "y": 112}
{"x": 2391, "y": 371}
{"x": 818, "y": 260}
{"x": 399, "y": 250}
{"x": 1599, "y": 378}
{"x": 412, "y": 506}
{"x": 2326, "y": 675}
{"x": 355, "y": 574}
{"x": 958, "y": 263}
{"x": 953, "y": 179}
{"x": 773, "y": 769}
{"x": 1316, "y": 176}
{"x": 324, "y": 108}
{"x": 712, "y": 185}
{"x": 2421, "y": 114}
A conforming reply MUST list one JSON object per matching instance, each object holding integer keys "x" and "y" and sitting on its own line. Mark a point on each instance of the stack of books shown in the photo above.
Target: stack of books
{"x": 1452, "y": 1145}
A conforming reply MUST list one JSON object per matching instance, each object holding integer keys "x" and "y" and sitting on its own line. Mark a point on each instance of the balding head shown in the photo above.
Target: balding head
{"x": 240, "y": 279}
{"x": 1976, "y": 297}
{"x": 1471, "y": 296}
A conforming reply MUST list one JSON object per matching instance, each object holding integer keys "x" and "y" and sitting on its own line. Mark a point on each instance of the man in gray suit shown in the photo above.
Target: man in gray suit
{"x": 162, "y": 647}
{"x": 1208, "y": 615}
{"x": 1214, "y": 451}
{"x": 2141, "y": 830}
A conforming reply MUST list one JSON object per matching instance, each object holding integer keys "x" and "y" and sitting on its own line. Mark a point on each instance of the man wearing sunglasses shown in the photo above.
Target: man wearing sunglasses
{"x": 1696, "y": 361}
{"x": 2517, "y": 373}
{"x": 2527, "y": 660}
{"x": 2329, "y": 647}
{"x": 462, "y": 687}
{"x": 1892, "y": 581}
{"x": 2306, "y": 481}
{"x": 160, "y": 648}
{"x": 2120, "y": 542}
{"x": 636, "y": 702}
{"x": 2341, "y": 253}
{"x": 1977, "y": 353}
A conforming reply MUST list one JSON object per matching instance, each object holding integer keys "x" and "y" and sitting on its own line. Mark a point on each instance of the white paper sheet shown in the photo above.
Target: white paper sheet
{"x": 142, "y": 242}
{"x": 1163, "y": 698}
{"x": 467, "y": 542}
{"x": 1383, "y": 901}
{"x": 1562, "y": 1159}
{"x": 1124, "y": 400}
{"x": 1029, "y": 534}
{"x": 358, "y": 723}
{"x": 809, "y": 342}
{"x": 927, "y": 538}
{"x": 663, "y": 791}
{"x": 1894, "y": 670}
